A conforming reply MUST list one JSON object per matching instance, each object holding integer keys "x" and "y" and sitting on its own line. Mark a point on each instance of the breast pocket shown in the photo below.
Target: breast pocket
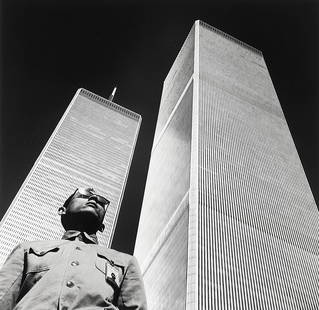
{"x": 39, "y": 261}
{"x": 43, "y": 258}
{"x": 112, "y": 271}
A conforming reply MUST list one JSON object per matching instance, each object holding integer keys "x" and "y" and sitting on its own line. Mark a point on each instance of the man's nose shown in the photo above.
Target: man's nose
{"x": 93, "y": 197}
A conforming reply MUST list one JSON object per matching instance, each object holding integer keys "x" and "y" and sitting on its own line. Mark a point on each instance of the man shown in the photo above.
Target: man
{"x": 75, "y": 272}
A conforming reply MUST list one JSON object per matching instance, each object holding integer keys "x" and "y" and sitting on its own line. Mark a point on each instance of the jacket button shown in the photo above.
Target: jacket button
{"x": 69, "y": 284}
{"x": 113, "y": 276}
{"x": 112, "y": 263}
{"x": 75, "y": 263}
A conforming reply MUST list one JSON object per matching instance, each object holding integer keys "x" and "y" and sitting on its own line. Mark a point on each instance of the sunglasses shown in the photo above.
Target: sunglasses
{"x": 89, "y": 192}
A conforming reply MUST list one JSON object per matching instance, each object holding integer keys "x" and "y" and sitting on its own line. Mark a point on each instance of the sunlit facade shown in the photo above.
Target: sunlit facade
{"x": 92, "y": 145}
{"x": 228, "y": 219}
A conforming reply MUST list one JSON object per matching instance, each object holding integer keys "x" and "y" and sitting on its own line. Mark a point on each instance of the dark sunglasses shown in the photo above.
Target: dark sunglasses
{"x": 89, "y": 192}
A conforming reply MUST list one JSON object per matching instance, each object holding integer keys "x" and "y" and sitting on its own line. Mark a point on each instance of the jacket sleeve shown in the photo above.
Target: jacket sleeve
{"x": 10, "y": 278}
{"x": 132, "y": 294}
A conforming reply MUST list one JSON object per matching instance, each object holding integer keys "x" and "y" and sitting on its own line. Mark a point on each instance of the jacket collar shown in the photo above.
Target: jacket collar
{"x": 81, "y": 236}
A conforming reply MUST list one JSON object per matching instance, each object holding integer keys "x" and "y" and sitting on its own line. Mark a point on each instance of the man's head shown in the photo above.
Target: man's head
{"x": 84, "y": 210}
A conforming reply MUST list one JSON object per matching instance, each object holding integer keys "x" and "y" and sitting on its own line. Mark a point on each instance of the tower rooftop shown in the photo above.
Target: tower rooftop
{"x": 220, "y": 32}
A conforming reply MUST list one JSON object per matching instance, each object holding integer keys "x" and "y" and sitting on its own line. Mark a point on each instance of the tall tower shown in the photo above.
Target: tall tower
{"x": 228, "y": 219}
{"x": 92, "y": 145}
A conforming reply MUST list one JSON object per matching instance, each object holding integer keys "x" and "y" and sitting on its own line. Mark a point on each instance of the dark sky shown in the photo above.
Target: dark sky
{"x": 51, "y": 48}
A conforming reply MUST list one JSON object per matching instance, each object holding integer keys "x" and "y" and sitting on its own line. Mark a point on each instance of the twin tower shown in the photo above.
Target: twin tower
{"x": 228, "y": 219}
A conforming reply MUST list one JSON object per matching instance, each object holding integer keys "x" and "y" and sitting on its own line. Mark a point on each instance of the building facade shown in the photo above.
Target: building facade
{"x": 228, "y": 219}
{"x": 92, "y": 146}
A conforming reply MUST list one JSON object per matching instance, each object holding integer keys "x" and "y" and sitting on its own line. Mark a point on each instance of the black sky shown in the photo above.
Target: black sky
{"x": 51, "y": 48}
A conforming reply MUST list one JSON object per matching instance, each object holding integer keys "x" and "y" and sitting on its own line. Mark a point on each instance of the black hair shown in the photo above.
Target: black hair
{"x": 66, "y": 203}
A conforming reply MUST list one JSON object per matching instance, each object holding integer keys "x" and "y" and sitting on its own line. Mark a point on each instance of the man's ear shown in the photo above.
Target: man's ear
{"x": 102, "y": 227}
{"x": 61, "y": 210}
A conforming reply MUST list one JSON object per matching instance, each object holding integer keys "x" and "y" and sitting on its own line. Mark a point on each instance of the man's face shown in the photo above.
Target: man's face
{"x": 86, "y": 202}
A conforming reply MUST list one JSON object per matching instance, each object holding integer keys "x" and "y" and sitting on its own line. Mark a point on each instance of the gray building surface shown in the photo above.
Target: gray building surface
{"x": 228, "y": 219}
{"x": 92, "y": 145}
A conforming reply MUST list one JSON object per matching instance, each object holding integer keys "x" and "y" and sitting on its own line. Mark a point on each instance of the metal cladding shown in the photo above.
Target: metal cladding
{"x": 92, "y": 146}
{"x": 228, "y": 219}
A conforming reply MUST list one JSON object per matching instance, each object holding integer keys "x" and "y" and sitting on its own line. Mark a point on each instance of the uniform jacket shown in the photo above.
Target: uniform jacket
{"x": 72, "y": 273}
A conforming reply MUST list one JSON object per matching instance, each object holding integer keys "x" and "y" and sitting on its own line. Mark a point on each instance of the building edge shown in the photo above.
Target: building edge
{"x": 125, "y": 180}
{"x": 192, "y": 260}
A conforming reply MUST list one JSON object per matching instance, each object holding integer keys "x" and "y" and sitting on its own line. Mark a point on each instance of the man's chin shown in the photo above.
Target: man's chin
{"x": 88, "y": 214}
{"x": 88, "y": 209}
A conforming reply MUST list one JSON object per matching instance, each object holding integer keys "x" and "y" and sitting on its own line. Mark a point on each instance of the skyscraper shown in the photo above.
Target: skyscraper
{"x": 92, "y": 145}
{"x": 228, "y": 219}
